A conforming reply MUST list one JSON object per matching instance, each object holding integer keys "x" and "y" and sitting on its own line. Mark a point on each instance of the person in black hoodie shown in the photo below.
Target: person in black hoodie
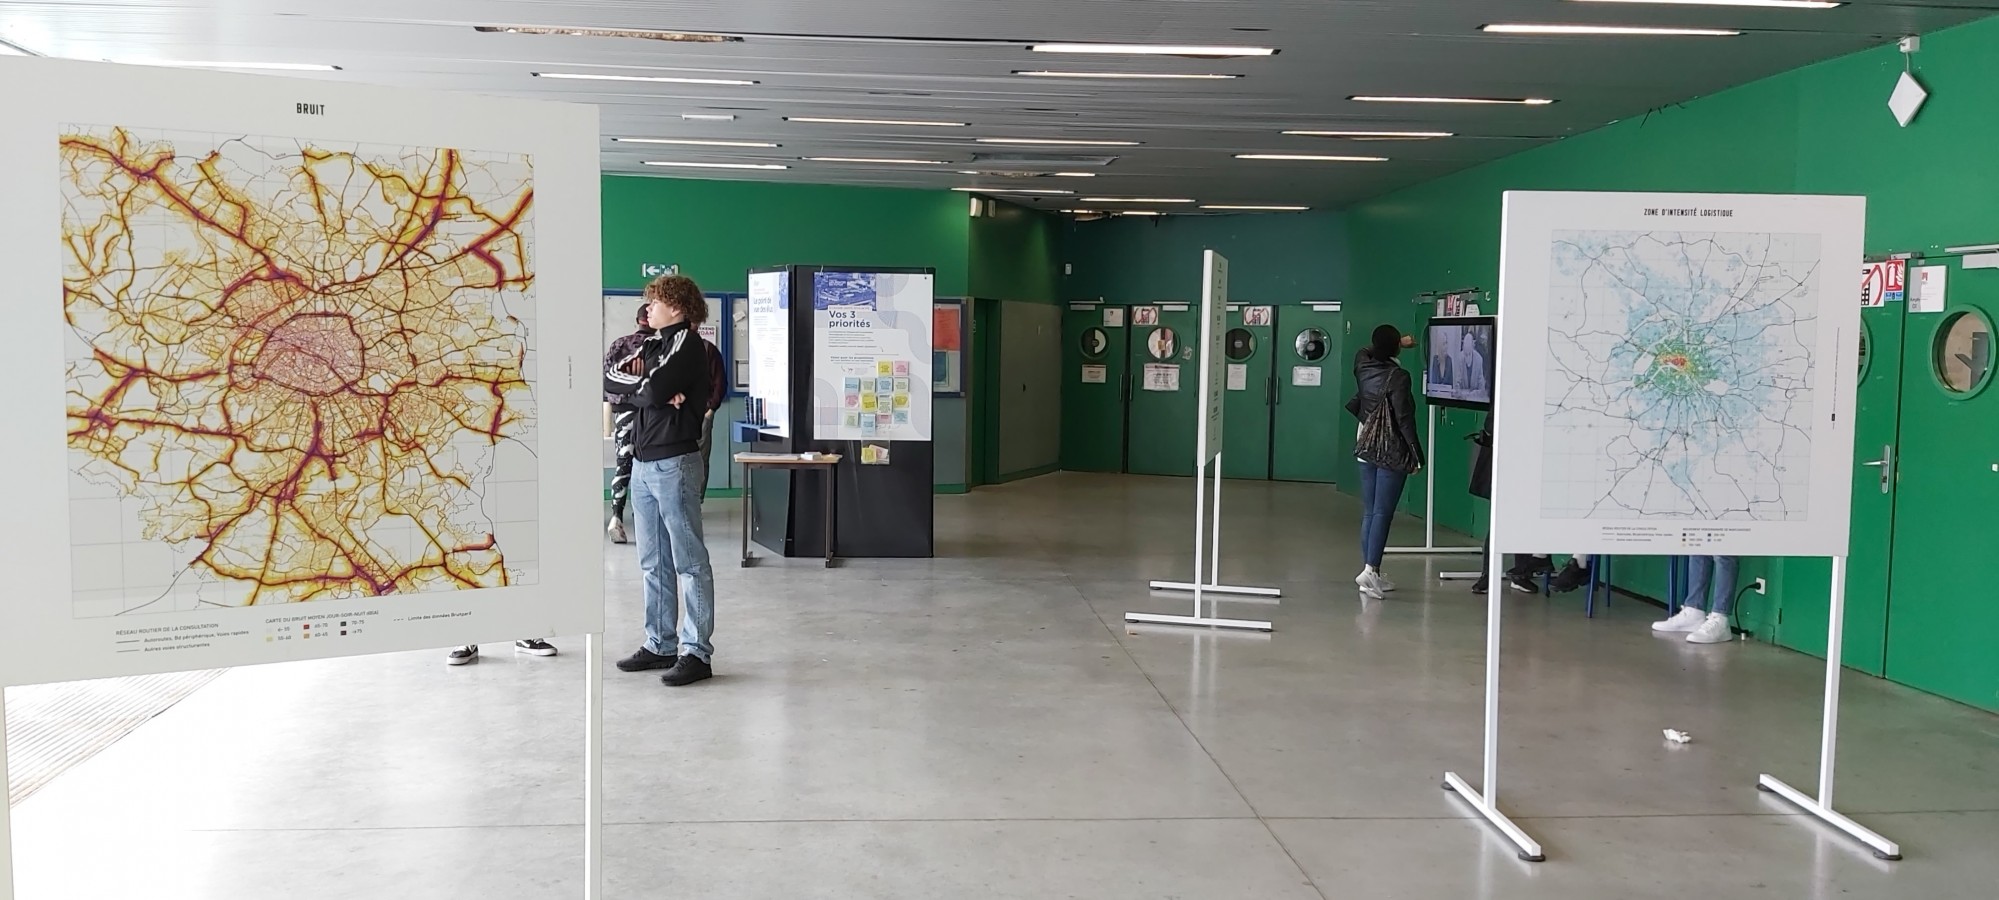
{"x": 1379, "y": 379}
{"x": 1521, "y": 576}
{"x": 668, "y": 381}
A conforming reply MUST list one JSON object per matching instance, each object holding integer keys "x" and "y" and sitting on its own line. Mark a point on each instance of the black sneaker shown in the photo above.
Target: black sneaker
{"x": 1572, "y": 576}
{"x": 534, "y": 647}
{"x": 645, "y": 659}
{"x": 462, "y": 655}
{"x": 1523, "y": 583}
{"x": 688, "y": 670}
{"x": 1478, "y": 587}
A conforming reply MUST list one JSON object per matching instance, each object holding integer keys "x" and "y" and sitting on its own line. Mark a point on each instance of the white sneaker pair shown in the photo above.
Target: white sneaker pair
{"x": 1699, "y": 627}
{"x": 1372, "y": 583}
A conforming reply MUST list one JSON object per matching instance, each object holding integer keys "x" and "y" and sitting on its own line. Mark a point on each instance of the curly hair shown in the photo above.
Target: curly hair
{"x": 681, "y": 293}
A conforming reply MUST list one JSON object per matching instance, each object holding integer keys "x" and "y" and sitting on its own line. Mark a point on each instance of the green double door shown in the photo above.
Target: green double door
{"x": 1095, "y": 376}
{"x": 1249, "y": 398}
{"x": 1310, "y": 431}
{"x": 1165, "y": 381}
{"x": 1920, "y": 605}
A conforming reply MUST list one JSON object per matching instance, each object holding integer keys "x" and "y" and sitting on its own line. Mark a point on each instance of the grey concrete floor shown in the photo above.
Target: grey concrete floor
{"x": 984, "y": 725}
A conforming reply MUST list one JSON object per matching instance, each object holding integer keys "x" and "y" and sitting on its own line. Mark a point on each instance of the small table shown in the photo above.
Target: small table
{"x": 824, "y": 462}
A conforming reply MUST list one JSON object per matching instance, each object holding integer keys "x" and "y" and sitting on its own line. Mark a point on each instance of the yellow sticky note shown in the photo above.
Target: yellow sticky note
{"x": 885, "y": 368}
{"x": 867, "y": 401}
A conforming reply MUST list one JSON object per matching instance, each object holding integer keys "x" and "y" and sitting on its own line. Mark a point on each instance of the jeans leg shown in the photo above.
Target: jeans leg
{"x": 1698, "y": 570}
{"x": 1367, "y": 473}
{"x": 1386, "y": 495}
{"x": 680, "y": 503}
{"x": 656, "y": 552}
{"x": 1723, "y": 596}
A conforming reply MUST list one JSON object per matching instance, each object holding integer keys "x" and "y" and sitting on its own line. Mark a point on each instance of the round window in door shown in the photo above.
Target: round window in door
{"x": 1096, "y": 342}
{"x": 1312, "y": 345}
{"x": 1963, "y": 353}
{"x": 1162, "y": 343}
{"x": 1241, "y": 344}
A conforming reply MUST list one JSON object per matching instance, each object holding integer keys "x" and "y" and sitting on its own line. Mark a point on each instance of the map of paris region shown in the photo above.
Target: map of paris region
{"x": 1681, "y": 375}
{"x": 296, "y": 370}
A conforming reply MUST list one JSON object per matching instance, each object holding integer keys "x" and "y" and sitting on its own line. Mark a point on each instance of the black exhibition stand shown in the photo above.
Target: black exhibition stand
{"x": 880, "y": 511}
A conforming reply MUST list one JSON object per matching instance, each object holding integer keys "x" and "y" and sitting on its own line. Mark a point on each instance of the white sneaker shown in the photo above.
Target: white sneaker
{"x": 1687, "y": 619}
{"x": 1381, "y": 582}
{"x": 617, "y": 531}
{"x": 1713, "y": 631}
{"x": 1369, "y": 583}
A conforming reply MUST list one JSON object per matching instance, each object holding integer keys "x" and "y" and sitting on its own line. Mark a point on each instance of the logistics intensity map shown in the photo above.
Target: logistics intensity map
{"x": 1680, "y": 374}
{"x": 296, "y": 370}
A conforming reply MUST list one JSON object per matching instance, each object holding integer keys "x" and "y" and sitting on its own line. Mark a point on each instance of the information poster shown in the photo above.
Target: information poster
{"x": 294, "y": 369}
{"x": 1214, "y": 358}
{"x": 1677, "y": 373}
{"x": 872, "y": 366}
{"x": 770, "y": 350}
{"x": 947, "y": 351}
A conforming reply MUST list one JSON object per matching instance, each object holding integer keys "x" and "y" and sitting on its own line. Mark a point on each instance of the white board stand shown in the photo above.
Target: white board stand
{"x": 6, "y": 815}
{"x": 1430, "y": 500}
{"x": 1207, "y": 459}
{"x": 593, "y": 767}
{"x": 1821, "y": 807}
{"x": 1485, "y": 799}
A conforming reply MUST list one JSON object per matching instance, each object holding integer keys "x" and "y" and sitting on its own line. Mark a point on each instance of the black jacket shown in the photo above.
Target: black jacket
{"x": 1481, "y": 464}
{"x": 1384, "y": 381}
{"x": 676, "y": 365}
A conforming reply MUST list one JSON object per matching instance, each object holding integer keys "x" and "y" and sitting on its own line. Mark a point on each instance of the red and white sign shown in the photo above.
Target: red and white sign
{"x": 1884, "y": 282}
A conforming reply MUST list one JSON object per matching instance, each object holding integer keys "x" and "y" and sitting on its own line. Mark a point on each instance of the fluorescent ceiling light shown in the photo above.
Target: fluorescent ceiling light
{"x": 911, "y": 122}
{"x": 1136, "y": 200}
{"x": 1775, "y": 4}
{"x": 1310, "y": 157}
{"x": 709, "y": 165}
{"x": 873, "y": 161}
{"x": 684, "y": 37}
{"x": 1057, "y": 142}
{"x": 1213, "y": 52}
{"x": 1011, "y": 191}
{"x": 1079, "y": 212}
{"x": 267, "y": 66}
{"x": 1255, "y": 207}
{"x": 1376, "y": 135}
{"x": 662, "y": 79}
{"x": 708, "y": 117}
{"x": 1130, "y": 75}
{"x": 693, "y": 142}
{"x": 1072, "y": 174}
{"x": 1527, "y": 101}
{"x": 1613, "y": 30}
{"x": 1137, "y": 212}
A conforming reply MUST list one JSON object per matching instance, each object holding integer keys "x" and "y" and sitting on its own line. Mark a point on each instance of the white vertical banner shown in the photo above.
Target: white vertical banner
{"x": 1214, "y": 360}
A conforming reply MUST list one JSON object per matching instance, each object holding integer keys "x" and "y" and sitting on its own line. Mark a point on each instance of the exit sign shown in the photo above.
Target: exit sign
{"x": 655, "y": 270}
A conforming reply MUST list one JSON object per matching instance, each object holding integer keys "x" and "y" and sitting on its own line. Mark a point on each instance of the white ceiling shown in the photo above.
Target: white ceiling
{"x": 1331, "y": 49}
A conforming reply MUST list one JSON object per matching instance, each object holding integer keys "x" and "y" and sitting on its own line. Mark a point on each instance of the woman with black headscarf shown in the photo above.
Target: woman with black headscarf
{"x": 1387, "y": 447}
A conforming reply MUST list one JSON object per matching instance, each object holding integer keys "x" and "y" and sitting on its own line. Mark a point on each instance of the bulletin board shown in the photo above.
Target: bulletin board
{"x": 947, "y": 348}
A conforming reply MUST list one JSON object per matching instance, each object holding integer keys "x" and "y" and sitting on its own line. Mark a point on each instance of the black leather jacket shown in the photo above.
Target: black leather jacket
{"x": 1384, "y": 381}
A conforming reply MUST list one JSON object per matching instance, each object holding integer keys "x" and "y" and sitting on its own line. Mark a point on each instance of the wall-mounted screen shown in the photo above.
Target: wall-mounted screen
{"x": 1461, "y": 364}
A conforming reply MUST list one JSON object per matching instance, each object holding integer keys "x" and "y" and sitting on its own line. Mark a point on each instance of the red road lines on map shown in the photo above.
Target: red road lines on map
{"x": 302, "y": 359}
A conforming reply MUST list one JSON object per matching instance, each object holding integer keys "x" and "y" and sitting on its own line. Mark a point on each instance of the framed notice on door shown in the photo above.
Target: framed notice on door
{"x": 947, "y": 349}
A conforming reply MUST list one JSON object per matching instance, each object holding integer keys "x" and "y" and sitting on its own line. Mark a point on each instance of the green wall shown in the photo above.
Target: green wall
{"x": 716, "y": 231}
{"x": 1013, "y": 255}
{"x": 1273, "y": 258}
{"x": 1820, "y": 129}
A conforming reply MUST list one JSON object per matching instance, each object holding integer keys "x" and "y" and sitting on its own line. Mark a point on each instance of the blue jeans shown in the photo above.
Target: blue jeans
{"x": 679, "y": 583}
{"x": 1721, "y": 571}
{"x": 1380, "y": 492}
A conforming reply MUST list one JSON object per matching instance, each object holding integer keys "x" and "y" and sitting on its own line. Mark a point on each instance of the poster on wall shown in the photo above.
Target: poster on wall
{"x": 947, "y": 351}
{"x": 769, "y": 332}
{"x": 287, "y": 371}
{"x": 872, "y": 362}
{"x": 1677, "y": 373}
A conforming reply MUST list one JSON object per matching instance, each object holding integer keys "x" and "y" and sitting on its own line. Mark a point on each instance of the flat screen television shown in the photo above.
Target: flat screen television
{"x": 1459, "y": 361}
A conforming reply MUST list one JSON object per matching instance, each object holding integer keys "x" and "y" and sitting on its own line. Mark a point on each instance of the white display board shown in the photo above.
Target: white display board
{"x": 1214, "y": 357}
{"x": 1677, "y": 373}
{"x": 871, "y": 366}
{"x": 282, "y": 383}
{"x": 770, "y": 349}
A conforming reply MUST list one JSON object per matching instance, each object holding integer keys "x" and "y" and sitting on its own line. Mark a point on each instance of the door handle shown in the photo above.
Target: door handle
{"x": 1886, "y": 464}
